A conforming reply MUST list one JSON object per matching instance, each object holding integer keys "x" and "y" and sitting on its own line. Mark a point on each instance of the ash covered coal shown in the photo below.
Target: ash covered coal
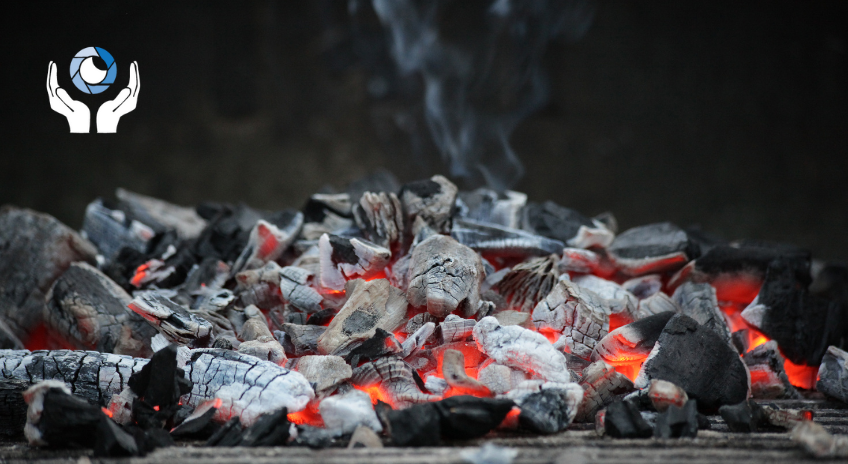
{"x": 418, "y": 312}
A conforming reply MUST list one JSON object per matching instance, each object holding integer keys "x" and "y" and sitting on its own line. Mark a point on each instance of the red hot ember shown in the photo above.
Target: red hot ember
{"x": 413, "y": 311}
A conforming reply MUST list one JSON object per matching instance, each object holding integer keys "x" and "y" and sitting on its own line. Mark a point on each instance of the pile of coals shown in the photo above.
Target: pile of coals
{"x": 415, "y": 312}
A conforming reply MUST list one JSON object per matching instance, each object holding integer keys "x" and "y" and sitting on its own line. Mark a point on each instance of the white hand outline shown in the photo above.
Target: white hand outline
{"x": 110, "y": 112}
{"x": 78, "y": 115}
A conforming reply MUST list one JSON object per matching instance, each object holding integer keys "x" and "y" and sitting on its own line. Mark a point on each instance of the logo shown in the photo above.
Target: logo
{"x": 87, "y": 76}
{"x": 93, "y": 70}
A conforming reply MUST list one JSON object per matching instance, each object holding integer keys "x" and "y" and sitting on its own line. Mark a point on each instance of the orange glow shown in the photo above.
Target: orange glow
{"x": 140, "y": 273}
{"x": 630, "y": 369}
{"x": 618, "y": 320}
{"x": 473, "y": 356}
{"x": 737, "y": 288}
{"x": 40, "y": 338}
{"x": 511, "y": 419}
{"x": 800, "y": 375}
{"x": 549, "y": 333}
{"x": 107, "y": 412}
{"x": 218, "y": 403}
{"x": 308, "y": 416}
{"x": 156, "y": 408}
{"x": 269, "y": 242}
{"x": 379, "y": 275}
{"x": 376, "y": 393}
{"x": 756, "y": 340}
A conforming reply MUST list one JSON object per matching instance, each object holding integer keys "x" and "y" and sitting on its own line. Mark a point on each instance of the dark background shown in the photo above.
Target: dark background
{"x": 731, "y": 115}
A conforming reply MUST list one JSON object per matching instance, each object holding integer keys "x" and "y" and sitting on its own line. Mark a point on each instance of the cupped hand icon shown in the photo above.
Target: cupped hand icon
{"x": 111, "y": 111}
{"x": 79, "y": 118}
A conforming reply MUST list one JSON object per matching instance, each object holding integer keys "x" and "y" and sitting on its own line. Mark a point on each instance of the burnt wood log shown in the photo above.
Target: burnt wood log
{"x": 486, "y": 205}
{"x": 110, "y": 230}
{"x": 161, "y": 215}
{"x": 35, "y": 249}
{"x": 432, "y": 200}
{"x": 380, "y": 217}
{"x": 529, "y": 282}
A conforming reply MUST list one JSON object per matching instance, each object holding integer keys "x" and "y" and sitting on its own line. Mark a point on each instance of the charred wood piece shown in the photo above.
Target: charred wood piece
{"x": 161, "y": 215}
{"x": 522, "y": 349}
{"x": 503, "y": 241}
{"x": 644, "y": 286}
{"x": 342, "y": 259}
{"x": 619, "y": 301}
{"x": 529, "y": 282}
{"x": 602, "y": 384}
{"x": 395, "y": 377}
{"x": 565, "y": 225}
{"x": 628, "y": 346}
{"x": 372, "y": 305}
{"x": 453, "y": 371}
{"x": 380, "y": 217}
{"x": 266, "y": 348}
{"x": 325, "y": 372}
{"x": 580, "y": 261}
{"x": 768, "y": 378}
{"x": 303, "y": 339}
{"x": 455, "y": 329}
{"x": 417, "y": 340}
{"x": 445, "y": 276}
{"x": 699, "y": 302}
{"x": 348, "y": 411}
{"x": 173, "y": 321}
{"x": 35, "y": 249}
{"x": 678, "y": 421}
{"x": 652, "y": 248}
{"x": 418, "y": 320}
{"x": 655, "y": 304}
{"x": 110, "y": 230}
{"x": 833, "y": 374}
{"x": 89, "y": 310}
{"x": 266, "y": 243}
{"x": 486, "y": 205}
{"x": 578, "y": 314}
{"x": 432, "y": 200}
{"x": 691, "y": 356}
{"x": 551, "y": 410}
{"x": 623, "y": 420}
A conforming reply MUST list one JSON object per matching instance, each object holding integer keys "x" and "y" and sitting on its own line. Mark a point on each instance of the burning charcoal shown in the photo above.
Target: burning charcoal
{"x": 170, "y": 319}
{"x": 655, "y": 304}
{"x": 417, "y": 340}
{"x": 677, "y": 421}
{"x": 381, "y": 344}
{"x": 419, "y": 425}
{"x": 652, "y": 248}
{"x": 486, "y": 205}
{"x": 303, "y": 338}
{"x": 161, "y": 215}
{"x": 744, "y": 417}
{"x": 803, "y": 325}
{"x": 343, "y": 259}
{"x": 380, "y": 217}
{"x": 566, "y": 225}
{"x": 551, "y": 410}
{"x": 580, "y": 261}
{"x": 89, "y": 310}
{"x": 578, "y": 314}
{"x": 59, "y": 419}
{"x": 364, "y": 437}
{"x": 666, "y": 394}
{"x": 349, "y": 411}
{"x": 260, "y": 287}
{"x": 396, "y": 379}
{"x": 503, "y": 241}
{"x": 699, "y": 302}
{"x": 784, "y": 418}
{"x": 320, "y": 203}
{"x": 436, "y": 385}
{"x": 445, "y": 276}
{"x": 266, "y": 243}
{"x": 113, "y": 441}
{"x": 622, "y": 420}
{"x": 453, "y": 371}
{"x": 325, "y": 372}
{"x": 455, "y": 329}
{"x": 833, "y": 374}
{"x": 818, "y": 442}
{"x": 35, "y": 249}
{"x": 529, "y": 282}
{"x": 621, "y": 303}
{"x": 432, "y": 200}
{"x": 271, "y": 429}
{"x": 521, "y": 348}
{"x": 691, "y": 356}
{"x": 199, "y": 424}
{"x": 159, "y": 384}
{"x": 266, "y": 348}
{"x": 255, "y": 326}
{"x": 627, "y": 347}
{"x": 110, "y": 230}
{"x": 295, "y": 289}
{"x": 510, "y": 317}
{"x": 601, "y": 385}
{"x": 768, "y": 379}
{"x": 466, "y": 417}
{"x": 228, "y": 435}
{"x": 371, "y": 305}
{"x": 496, "y": 377}
{"x": 644, "y": 286}
{"x": 417, "y": 321}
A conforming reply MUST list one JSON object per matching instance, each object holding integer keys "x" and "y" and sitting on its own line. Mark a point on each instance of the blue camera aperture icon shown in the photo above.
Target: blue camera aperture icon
{"x": 87, "y": 76}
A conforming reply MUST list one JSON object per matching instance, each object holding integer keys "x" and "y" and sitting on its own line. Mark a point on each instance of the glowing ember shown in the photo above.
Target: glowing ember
{"x": 801, "y": 376}
{"x": 107, "y": 412}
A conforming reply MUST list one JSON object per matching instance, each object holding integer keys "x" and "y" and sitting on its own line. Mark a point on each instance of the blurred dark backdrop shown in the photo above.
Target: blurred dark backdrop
{"x": 732, "y": 115}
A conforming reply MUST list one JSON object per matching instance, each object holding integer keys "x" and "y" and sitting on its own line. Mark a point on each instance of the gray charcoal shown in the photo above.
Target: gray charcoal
{"x": 111, "y": 230}
{"x": 833, "y": 374}
{"x": 629, "y": 345}
{"x": 768, "y": 378}
{"x": 8, "y": 340}
{"x": 551, "y": 410}
{"x": 260, "y": 286}
{"x": 503, "y": 241}
{"x": 445, "y": 276}
{"x": 580, "y": 261}
{"x": 161, "y": 215}
{"x": 173, "y": 321}
{"x": 497, "y": 378}
{"x": 566, "y": 225}
{"x": 265, "y": 348}
{"x": 266, "y": 243}
{"x": 432, "y": 200}
{"x": 602, "y": 384}
{"x": 35, "y": 249}
{"x": 396, "y": 379}
{"x": 342, "y": 259}
{"x": 371, "y": 305}
{"x": 579, "y": 315}
{"x": 295, "y": 289}
{"x": 364, "y": 437}
{"x": 303, "y": 338}
{"x": 380, "y": 217}
{"x": 678, "y": 422}
{"x": 489, "y": 206}
{"x": 455, "y": 329}
{"x": 743, "y": 417}
{"x": 417, "y": 340}
{"x": 651, "y": 248}
{"x": 691, "y": 356}
{"x": 655, "y": 304}
{"x": 620, "y": 302}
{"x": 348, "y": 411}
{"x": 666, "y": 394}
{"x": 418, "y": 320}
{"x": 818, "y": 442}
{"x": 510, "y": 317}
{"x": 453, "y": 371}
{"x": 325, "y": 372}
{"x": 699, "y": 302}
{"x": 622, "y": 420}
{"x": 89, "y": 310}
{"x": 644, "y": 286}
{"x": 529, "y": 282}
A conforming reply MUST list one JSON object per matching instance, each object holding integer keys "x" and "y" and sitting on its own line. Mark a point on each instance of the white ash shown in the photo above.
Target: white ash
{"x": 699, "y": 302}
{"x": 644, "y": 286}
{"x": 325, "y": 372}
{"x": 657, "y": 303}
{"x": 348, "y": 411}
{"x": 510, "y": 317}
{"x": 436, "y": 385}
{"x": 529, "y": 282}
{"x": 173, "y": 321}
{"x": 617, "y": 299}
{"x": 577, "y": 313}
{"x": 455, "y": 328}
{"x": 445, "y": 276}
{"x": 418, "y": 339}
{"x": 499, "y": 379}
{"x": 579, "y": 260}
{"x": 380, "y": 217}
{"x": 664, "y": 394}
{"x": 266, "y": 243}
{"x": 266, "y": 348}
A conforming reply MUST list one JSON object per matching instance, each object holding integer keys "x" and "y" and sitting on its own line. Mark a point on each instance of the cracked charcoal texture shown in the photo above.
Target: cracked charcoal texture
{"x": 699, "y": 302}
{"x": 550, "y": 410}
{"x": 833, "y": 374}
{"x": 699, "y": 361}
{"x": 445, "y": 276}
{"x": 90, "y": 310}
{"x": 529, "y": 282}
{"x": 34, "y": 250}
{"x": 578, "y": 314}
{"x": 503, "y": 241}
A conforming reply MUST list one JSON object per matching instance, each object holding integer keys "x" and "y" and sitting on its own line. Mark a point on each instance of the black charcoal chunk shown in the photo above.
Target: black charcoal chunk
{"x": 677, "y": 422}
{"x": 833, "y": 374}
{"x": 150, "y": 439}
{"x": 623, "y": 420}
{"x": 269, "y": 430}
{"x": 228, "y": 435}
{"x": 564, "y": 224}
{"x": 743, "y": 417}
{"x": 749, "y": 258}
{"x": 313, "y": 437}
{"x": 651, "y": 248}
{"x": 160, "y": 382}
{"x": 699, "y": 302}
{"x": 68, "y": 421}
{"x": 429, "y": 203}
{"x": 110, "y": 230}
{"x": 633, "y": 341}
{"x": 465, "y": 417}
{"x": 548, "y": 411}
{"x": 197, "y": 426}
{"x": 8, "y": 339}
{"x": 13, "y": 409}
{"x": 113, "y": 441}
{"x": 419, "y": 425}
{"x": 692, "y": 357}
